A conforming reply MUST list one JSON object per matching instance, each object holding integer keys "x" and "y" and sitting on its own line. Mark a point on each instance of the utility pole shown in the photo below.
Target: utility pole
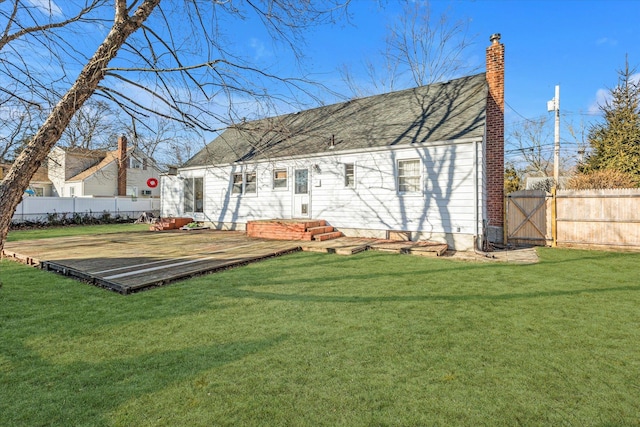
{"x": 554, "y": 105}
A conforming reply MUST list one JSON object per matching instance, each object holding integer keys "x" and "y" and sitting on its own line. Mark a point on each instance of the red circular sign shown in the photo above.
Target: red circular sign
{"x": 152, "y": 182}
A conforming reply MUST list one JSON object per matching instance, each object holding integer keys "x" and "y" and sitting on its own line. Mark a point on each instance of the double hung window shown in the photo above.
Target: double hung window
{"x": 349, "y": 175}
{"x": 409, "y": 176}
{"x": 244, "y": 183}
{"x": 280, "y": 179}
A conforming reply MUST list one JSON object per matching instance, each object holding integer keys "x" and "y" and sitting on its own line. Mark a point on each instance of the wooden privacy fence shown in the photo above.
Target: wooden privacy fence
{"x": 609, "y": 218}
{"x": 575, "y": 218}
{"x": 527, "y": 218}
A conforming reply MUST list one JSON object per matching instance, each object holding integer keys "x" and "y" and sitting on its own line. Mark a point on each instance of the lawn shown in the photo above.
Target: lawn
{"x": 317, "y": 339}
{"x": 73, "y": 230}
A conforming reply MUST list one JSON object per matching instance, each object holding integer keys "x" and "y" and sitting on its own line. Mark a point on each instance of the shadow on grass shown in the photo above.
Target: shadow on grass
{"x": 37, "y": 392}
{"x": 241, "y": 293}
{"x": 551, "y": 277}
{"x": 30, "y": 293}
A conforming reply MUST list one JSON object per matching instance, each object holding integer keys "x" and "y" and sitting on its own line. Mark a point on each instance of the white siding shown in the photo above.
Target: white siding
{"x": 73, "y": 189}
{"x": 103, "y": 182}
{"x": 76, "y": 163}
{"x": 138, "y": 178}
{"x": 56, "y": 164}
{"x": 444, "y": 206}
{"x": 170, "y": 196}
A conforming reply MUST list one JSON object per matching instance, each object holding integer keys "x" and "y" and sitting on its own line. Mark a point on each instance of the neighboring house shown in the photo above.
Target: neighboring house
{"x": 126, "y": 171}
{"x": 428, "y": 160}
{"x": 40, "y": 184}
{"x": 544, "y": 182}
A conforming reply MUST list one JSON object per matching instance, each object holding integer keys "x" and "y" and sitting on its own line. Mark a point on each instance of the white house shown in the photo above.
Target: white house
{"x": 39, "y": 185}
{"x": 96, "y": 173}
{"x": 427, "y": 160}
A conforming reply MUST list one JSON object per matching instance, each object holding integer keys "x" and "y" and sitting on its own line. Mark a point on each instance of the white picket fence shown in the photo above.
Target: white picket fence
{"x": 41, "y": 209}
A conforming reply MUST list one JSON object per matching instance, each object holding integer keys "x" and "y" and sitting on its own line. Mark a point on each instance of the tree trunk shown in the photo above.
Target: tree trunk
{"x": 17, "y": 180}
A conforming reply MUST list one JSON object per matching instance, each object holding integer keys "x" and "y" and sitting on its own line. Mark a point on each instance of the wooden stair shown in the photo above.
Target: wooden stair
{"x": 170, "y": 223}
{"x": 280, "y": 229}
{"x": 422, "y": 248}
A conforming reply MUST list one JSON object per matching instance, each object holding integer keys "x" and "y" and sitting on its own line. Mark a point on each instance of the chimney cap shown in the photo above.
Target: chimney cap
{"x": 495, "y": 38}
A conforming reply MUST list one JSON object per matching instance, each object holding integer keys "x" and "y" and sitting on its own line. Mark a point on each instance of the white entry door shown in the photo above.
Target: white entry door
{"x": 301, "y": 205}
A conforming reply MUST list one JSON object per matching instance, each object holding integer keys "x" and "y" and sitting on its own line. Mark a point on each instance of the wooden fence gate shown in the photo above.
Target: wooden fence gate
{"x": 527, "y": 222}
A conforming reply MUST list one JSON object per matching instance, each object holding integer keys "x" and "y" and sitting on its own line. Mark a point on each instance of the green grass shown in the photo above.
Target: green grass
{"x": 312, "y": 340}
{"x": 73, "y": 230}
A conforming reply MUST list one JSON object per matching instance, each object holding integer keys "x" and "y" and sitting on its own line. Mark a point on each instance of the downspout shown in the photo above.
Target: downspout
{"x": 161, "y": 192}
{"x": 476, "y": 243}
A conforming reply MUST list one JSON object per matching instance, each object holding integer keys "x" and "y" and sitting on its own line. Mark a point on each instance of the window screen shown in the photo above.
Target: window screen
{"x": 349, "y": 175}
{"x": 408, "y": 176}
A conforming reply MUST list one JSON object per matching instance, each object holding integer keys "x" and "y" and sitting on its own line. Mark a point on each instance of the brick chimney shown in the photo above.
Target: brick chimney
{"x": 495, "y": 139}
{"x": 122, "y": 166}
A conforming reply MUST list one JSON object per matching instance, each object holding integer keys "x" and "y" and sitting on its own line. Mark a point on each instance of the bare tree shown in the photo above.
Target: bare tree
{"x": 16, "y": 127}
{"x": 92, "y": 127}
{"x": 171, "y": 60}
{"x": 421, "y": 48}
{"x": 578, "y": 139}
{"x": 530, "y": 147}
{"x": 163, "y": 140}
{"x": 179, "y": 149}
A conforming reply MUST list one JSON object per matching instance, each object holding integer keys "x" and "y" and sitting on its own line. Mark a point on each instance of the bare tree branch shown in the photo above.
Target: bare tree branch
{"x": 7, "y": 38}
{"x": 180, "y": 66}
{"x": 27, "y": 163}
{"x": 530, "y": 147}
{"x": 420, "y": 49}
{"x": 167, "y": 70}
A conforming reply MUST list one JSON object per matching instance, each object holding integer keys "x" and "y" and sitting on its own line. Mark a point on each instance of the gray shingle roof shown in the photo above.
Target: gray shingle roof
{"x": 437, "y": 112}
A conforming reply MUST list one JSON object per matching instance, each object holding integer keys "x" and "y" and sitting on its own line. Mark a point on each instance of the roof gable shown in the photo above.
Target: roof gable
{"x": 41, "y": 175}
{"x": 438, "y": 112}
{"x": 110, "y": 157}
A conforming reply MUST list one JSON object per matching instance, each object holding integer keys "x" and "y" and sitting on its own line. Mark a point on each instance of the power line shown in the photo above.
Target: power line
{"x": 517, "y": 113}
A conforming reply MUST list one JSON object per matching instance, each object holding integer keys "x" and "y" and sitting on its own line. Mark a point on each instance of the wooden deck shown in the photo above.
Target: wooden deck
{"x": 129, "y": 262}
{"x": 134, "y": 261}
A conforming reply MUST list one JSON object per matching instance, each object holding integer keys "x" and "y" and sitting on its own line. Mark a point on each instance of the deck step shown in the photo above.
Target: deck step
{"x": 429, "y": 249}
{"x": 291, "y": 229}
{"x": 413, "y": 248}
{"x": 320, "y": 229}
{"x": 327, "y": 236}
{"x": 170, "y": 223}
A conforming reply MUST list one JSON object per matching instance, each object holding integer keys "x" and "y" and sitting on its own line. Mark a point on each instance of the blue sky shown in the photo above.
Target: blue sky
{"x": 578, "y": 45}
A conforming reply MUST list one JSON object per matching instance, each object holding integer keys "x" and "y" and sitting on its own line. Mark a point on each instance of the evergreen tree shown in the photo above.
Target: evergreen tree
{"x": 615, "y": 143}
{"x": 511, "y": 179}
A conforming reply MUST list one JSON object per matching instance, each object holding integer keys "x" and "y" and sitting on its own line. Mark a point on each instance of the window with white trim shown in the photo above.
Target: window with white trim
{"x": 349, "y": 175}
{"x": 236, "y": 183}
{"x": 250, "y": 183}
{"x": 194, "y": 194}
{"x": 244, "y": 183}
{"x": 280, "y": 179}
{"x": 135, "y": 163}
{"x": 409, "y": 176}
